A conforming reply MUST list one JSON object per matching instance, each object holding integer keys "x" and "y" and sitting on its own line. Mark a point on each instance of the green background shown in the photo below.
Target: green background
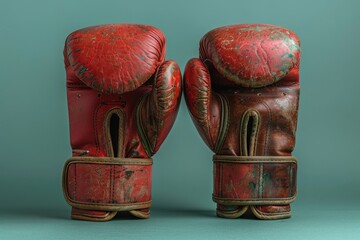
{"x": 34, "y": 130}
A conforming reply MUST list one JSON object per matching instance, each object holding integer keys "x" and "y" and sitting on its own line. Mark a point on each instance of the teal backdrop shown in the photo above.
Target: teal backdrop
{"x": 34, "y": 130}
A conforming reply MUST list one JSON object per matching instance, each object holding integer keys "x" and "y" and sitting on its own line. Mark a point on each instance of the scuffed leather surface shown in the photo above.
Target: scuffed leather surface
{"x": 227, "y": 70}
{"x": 115, "y": 58}
{"x": 251, "y": 55}
{"x": 160, "y": 109}
{"x": 277, "y": 105}
{"x": 202, "y": 102}
{"x": 122, "y": 80}
{"x": 129, "y": 184}
{"x": 272, "y": 181}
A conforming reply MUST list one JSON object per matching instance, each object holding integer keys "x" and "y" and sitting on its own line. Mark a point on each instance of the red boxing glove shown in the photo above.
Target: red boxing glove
{"x": 123, "y": 99}
{"x": 243, "y": 96}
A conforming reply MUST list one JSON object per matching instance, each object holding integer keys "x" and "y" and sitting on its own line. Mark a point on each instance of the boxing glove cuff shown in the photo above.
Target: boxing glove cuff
{"x": 254, "y": 180}
{"x": 107, "y": 183}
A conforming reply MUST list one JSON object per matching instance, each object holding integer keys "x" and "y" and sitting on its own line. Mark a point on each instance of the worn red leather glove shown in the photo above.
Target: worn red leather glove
{"x": 243, "y": 95}
{"x": 123, "y": 99}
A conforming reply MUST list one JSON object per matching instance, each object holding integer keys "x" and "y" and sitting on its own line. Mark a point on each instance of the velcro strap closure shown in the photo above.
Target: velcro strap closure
{"x": 254, "y": 180}
{"x": 108, "y": 184}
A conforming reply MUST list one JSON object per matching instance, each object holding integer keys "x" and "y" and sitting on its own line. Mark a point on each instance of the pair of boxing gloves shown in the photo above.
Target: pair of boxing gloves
{"x": 123, "y": 97}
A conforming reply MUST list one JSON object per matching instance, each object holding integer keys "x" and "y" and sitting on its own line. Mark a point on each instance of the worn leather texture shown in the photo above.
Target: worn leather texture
{"x": 123, "y": 98}
{"x": 242, "y": 94}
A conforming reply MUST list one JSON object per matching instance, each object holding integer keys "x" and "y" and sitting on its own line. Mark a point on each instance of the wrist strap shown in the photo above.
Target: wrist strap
{"x": 108, "y": 184}
{"x": 254, "y": 180}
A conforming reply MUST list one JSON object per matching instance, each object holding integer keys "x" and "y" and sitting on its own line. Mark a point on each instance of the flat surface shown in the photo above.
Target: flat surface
{"x": 34, "y": 126}
{"x": 308, "y": 222}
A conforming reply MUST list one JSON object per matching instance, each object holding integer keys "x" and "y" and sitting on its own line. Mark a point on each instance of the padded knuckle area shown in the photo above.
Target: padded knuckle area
{"x": 115, "y": 58}
{"x": 251, "y": 55}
